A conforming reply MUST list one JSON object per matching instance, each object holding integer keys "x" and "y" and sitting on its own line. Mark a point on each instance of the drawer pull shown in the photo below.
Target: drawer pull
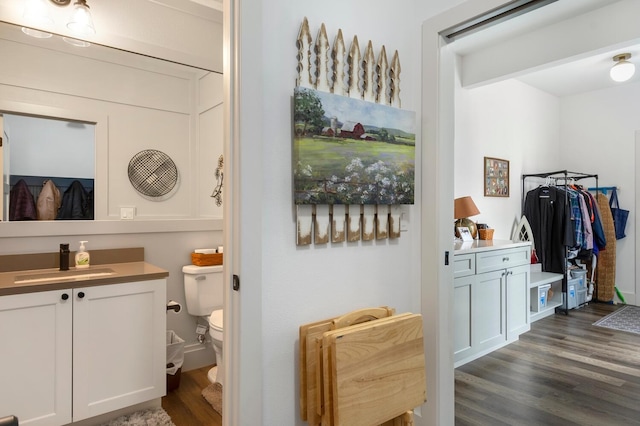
{"x": 505, "y": 259}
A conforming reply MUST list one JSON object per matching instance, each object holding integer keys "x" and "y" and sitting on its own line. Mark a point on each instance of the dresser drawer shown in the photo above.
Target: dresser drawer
{"x": 498, "y": 259}
{"x": 464, "y": 265}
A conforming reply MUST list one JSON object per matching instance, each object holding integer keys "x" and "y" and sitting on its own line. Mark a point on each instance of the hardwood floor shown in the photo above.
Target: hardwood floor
{"x": 565, "y": 371}
{"x": 186, "y": 406}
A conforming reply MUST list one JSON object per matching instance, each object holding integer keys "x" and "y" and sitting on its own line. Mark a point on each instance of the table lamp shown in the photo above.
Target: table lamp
{"x": 464, "y": 207}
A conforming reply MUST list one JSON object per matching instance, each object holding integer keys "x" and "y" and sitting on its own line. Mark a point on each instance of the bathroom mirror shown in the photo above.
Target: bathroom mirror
{"x": 129, "y": 102}
{"x": 44, "y": 160}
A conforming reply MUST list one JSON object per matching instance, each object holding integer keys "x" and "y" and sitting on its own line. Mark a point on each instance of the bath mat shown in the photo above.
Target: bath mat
{"x": 626, "y": 318}
{"x": 213, "y": 395}
{"x": 154, "y": 416}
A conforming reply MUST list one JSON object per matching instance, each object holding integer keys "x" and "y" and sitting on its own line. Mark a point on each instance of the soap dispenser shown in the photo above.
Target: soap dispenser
{"x": 82, "y": 256}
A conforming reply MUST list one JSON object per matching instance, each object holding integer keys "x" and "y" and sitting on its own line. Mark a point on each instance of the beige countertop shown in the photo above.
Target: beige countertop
{"x": 475, "y": 246}
{"x": 29, "y": 273}
{"x": 53, "y": 279}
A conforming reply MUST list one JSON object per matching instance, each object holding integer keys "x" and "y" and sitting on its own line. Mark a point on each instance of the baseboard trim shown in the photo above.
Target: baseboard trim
{"x": 105, "y": 418}
{"x": 197, "y": 355}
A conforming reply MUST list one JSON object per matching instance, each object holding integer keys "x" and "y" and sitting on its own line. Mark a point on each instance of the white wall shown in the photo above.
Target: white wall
{"x": 594, "y": 130}
{"x": 54, "y": 148}
{"x": 137, "y": 105}
{"x": 306, "y": 284}
{"x": 508, "y": 120}
{"x": 598, "y": 136}
{"x": 286, "y": 286}
{"x": 591, "y": 133}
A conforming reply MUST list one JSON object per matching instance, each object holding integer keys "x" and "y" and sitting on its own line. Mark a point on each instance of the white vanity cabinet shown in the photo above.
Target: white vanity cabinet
{"x": 71, "y": 354}
{"x": 491, "y": 297}
{"x": 35, "y": 356}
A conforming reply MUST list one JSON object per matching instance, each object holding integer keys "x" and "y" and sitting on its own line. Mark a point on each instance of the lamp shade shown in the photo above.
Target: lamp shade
{"x": 81, "y": 21}
{"x": 464, "y": 207}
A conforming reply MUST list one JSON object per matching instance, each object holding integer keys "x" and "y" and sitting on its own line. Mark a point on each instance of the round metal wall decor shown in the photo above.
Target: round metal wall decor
{"x": 153, "y": 173}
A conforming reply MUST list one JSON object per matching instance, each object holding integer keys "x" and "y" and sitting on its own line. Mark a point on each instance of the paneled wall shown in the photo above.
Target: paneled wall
{"x": 140, "y": 104}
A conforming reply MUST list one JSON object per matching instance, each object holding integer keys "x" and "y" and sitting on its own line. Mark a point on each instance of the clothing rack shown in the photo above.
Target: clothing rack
{"x": 565, "y": 177}
{"x": 604, "y": 189}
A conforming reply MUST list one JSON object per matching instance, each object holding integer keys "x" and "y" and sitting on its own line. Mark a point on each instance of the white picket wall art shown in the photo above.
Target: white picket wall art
{"x": 332, "y": 68}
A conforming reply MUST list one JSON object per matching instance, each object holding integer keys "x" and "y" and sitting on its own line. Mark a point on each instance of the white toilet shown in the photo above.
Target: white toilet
{"x": 203, "y": 288}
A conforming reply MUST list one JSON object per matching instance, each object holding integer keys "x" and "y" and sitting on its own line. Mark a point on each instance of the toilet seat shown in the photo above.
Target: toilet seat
{"x": 215, "y": 324}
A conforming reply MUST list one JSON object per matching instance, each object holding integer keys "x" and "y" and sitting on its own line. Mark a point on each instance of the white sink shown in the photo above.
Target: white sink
{"x": 71, "y": 275}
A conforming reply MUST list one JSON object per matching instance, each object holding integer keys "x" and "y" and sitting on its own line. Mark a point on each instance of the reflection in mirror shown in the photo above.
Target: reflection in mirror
{"x": 48, "y": 168}
{"x": 131, "y": 103}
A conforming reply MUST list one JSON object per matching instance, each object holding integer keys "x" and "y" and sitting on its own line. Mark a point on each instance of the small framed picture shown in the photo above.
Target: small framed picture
{"x": 496, "y": 177}
{"x": 465, "y": 233}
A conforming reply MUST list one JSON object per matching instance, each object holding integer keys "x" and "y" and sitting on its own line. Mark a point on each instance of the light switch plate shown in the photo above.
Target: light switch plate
{"x": 404, "y": 223}
{"x": 127, "y": 213}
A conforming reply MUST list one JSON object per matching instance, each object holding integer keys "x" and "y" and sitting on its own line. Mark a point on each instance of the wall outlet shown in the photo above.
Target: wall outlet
{"x": 127, "y": 213}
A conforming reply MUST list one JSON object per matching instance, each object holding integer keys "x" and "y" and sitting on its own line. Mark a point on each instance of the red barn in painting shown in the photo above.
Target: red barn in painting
{"x": 327, "y": 131}
{"x": 351, "y": 130}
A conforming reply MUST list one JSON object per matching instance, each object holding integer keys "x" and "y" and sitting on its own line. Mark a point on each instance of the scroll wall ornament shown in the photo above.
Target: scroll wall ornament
{"x": 217, "y": 191}
{"x": 354, "y": 148}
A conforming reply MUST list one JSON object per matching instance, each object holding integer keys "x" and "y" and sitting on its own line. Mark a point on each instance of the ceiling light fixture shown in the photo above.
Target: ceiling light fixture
{"x": 81, "y": 21}
{"x": 38, "y": 13}
{"x": 622, "y": 70}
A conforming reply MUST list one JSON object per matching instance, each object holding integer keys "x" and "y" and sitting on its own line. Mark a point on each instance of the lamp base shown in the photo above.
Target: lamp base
{"x": 468, "y": 223}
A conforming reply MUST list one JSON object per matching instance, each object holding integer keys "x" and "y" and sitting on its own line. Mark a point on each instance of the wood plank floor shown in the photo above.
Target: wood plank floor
{"x": 186, "y": 406}
{"x": 565, "y": 371}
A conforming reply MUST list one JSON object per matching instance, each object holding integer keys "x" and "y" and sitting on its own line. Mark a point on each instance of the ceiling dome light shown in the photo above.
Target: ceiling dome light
{"x": 81, "y": 21}
{"x": 622, "y": 70}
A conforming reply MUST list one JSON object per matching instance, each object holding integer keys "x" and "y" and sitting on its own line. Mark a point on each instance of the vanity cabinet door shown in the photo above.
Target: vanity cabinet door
{"x": 35, "y": 357}
{"x": 488, "y": 307}
{"x": 119, "y": 346}
{"x": 518, "y": 302}
{"x": 462, "y": 317}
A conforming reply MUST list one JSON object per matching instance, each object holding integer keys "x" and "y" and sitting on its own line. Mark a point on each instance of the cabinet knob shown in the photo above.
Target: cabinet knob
{"x": 65, "y": 296}
{"x": 81, "y": 295}
{"x": 505, "y": 259}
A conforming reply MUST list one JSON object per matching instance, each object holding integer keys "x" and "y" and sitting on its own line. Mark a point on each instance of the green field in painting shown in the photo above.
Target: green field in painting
{"x": 330, "y": 156}
{"x": 348, "y": 171}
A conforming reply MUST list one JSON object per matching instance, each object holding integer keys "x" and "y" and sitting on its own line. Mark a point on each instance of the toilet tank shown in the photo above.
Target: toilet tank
{"x": 203, "y": 289}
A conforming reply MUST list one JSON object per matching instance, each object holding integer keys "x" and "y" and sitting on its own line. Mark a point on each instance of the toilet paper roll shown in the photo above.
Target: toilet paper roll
{"x": 174, "y": 306}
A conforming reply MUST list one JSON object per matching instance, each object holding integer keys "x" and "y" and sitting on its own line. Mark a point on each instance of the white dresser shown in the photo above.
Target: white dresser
{"x": 491, "y": 296}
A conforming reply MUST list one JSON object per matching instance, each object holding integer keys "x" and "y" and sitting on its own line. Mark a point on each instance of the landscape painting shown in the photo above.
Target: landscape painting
{"x": 349, "y": 151}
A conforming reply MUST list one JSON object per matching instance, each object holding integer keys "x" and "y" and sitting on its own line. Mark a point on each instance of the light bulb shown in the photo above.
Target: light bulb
{"x": 81, "y": 21}
{"x": 622, "y": 70}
